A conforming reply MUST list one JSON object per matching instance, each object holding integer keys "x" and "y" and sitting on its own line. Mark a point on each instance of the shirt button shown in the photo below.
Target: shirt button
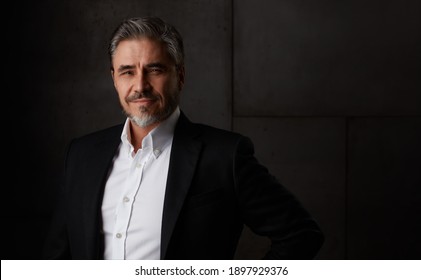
{"x": 126, "y": 199}
{"x": 118, "y": 235}
{"x": 139, "y": 165}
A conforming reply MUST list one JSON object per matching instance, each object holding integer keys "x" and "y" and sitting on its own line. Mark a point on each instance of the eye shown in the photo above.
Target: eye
{"x": 155, "y": 70}
{"x": 127, "y": 73}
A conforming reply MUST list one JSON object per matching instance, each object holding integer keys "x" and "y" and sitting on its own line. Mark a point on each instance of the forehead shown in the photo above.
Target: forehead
{"x": 141, "y": 49}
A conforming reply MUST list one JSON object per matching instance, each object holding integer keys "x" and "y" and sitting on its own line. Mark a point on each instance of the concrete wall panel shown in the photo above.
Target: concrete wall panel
{"x": 328, "y": 58}
{"x": 384, "y": 192}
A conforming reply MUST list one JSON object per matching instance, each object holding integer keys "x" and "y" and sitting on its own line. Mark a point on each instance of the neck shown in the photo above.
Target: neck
{"x": 137, "y": 134}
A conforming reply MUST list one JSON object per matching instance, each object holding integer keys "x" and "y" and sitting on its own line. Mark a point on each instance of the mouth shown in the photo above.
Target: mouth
{"x": 143, "y": 101}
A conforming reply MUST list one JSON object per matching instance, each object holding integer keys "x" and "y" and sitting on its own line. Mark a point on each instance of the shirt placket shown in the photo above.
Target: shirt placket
{"x": 125, "y": 205}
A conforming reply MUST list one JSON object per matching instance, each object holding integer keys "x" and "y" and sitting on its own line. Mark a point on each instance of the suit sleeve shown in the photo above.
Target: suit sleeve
{"x": 271, "y": 210}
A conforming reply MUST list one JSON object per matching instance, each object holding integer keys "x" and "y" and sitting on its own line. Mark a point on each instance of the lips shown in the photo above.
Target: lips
{"x": 144, "y": 100}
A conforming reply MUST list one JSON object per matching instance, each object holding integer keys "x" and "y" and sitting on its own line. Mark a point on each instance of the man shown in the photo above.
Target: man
{"x": 161, "y": 187}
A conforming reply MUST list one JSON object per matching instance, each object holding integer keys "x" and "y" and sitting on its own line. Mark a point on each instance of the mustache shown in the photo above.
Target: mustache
{"x": 144, "y": 94}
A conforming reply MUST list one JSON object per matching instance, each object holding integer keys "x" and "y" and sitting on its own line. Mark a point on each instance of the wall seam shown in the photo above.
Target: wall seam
{"x": 232, "y": 66}
{"x": 346, "y": 185}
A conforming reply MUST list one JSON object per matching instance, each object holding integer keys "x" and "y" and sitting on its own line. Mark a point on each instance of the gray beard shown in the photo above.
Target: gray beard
{"x": 145, "y": 120}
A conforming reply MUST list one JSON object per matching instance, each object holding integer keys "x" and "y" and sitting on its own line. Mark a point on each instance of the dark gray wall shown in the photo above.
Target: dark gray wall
{"x": 329, "y": 91}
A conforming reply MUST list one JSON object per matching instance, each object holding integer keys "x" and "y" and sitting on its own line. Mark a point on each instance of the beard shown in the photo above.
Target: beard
{"x": 160, "y": 109}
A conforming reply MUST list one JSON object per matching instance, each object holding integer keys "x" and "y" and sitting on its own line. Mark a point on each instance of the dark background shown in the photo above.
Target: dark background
{"x": 329, "y": 91}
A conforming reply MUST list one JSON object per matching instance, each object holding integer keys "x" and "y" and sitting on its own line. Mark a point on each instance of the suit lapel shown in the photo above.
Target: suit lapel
{"x": 101, "y": 158}
{"x": 184, "y": 156}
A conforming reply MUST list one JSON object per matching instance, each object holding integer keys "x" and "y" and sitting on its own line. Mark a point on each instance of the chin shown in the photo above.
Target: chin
{"x": 144, "y": 120}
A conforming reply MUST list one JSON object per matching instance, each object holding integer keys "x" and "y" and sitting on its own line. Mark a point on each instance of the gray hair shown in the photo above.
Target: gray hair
{"x": 149, "y": 27}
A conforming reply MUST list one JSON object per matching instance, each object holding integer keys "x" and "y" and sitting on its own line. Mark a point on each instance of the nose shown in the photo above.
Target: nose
{"x": 142, "y": 83}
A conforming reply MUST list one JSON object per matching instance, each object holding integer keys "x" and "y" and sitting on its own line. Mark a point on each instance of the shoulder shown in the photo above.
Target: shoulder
{"x": 106, "y": 135}
{"x": 210, "y": 132}
{"x": 186, "y": 126}
{"x": 210, "y": 135}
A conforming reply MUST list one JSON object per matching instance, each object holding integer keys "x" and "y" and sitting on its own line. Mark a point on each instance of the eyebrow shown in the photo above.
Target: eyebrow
{"x": 156, "y": 65}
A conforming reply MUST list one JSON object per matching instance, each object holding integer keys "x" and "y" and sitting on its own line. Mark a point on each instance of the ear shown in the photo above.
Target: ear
{"x": 181, "y": 74}
{"x": 112, "y": 76}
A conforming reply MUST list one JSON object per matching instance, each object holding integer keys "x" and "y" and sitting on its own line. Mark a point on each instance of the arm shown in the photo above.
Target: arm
{"x": 269, "y": 209}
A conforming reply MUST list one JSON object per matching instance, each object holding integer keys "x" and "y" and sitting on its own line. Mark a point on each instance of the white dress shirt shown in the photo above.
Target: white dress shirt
{"x": 134, "y": 194}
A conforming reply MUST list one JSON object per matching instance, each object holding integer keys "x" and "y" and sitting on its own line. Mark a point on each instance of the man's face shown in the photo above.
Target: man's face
{"x": 147, "y": 81}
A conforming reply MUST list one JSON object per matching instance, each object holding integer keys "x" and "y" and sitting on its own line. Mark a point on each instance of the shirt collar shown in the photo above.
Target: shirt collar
{"x": 157, "y": 139}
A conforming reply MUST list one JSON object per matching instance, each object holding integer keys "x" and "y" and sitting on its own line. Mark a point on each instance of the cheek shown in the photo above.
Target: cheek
{"x": 122, "y": 90}
{"x": 171, "y": 87}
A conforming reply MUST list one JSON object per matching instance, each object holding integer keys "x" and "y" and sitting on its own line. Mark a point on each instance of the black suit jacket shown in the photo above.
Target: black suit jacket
{"x": 215, "y": 185}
